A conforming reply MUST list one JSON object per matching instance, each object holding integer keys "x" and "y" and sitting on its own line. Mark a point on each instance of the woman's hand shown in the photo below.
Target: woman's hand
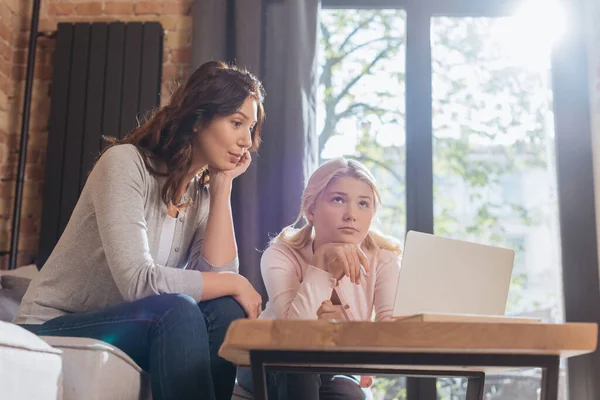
{"x": 241, "y": 166}
{"x": 341, "y": 259}
{"x": 328, "y": 311}
{"x": 220, "y": 181}
{"x": 231, "y": 174}
{"x": 248, "y": 297}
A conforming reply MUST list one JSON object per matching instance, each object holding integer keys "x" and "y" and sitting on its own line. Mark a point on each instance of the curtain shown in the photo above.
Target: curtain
{"x": 277, "y": 41}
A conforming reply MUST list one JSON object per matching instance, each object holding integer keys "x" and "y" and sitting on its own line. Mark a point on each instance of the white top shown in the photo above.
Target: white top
{"x": 166, "y": 240}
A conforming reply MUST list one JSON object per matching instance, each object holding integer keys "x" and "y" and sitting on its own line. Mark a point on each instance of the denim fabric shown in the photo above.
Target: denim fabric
{"x": 170, "y": 336}
{"x": 298, "y": 386}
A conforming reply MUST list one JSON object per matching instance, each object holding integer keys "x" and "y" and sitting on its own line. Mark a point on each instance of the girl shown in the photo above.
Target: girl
{"x": 148, "y": 260}
{"x": 335, "y": 267}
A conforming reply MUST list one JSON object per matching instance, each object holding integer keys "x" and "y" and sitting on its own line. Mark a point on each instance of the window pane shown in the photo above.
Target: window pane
{"x": 494, "y": 163}
{"x": 360, "y": 113}
{"x": 361, "y": 93}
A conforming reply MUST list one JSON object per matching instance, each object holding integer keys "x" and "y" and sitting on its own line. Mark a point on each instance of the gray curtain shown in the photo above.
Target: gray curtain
{"x": 276, "y": 40}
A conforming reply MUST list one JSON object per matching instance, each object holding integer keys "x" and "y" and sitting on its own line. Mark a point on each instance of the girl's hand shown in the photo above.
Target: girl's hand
{"x": 341, "y": 259}
{"x": 366, "y": 381}
{"x": 328, "y": 311}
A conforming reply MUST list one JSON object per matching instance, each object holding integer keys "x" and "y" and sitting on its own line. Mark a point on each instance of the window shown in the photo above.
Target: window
{"x": 493, "y": 153}
{"x": 361, "y": 100}
{"x": 456, "y": 107}
{"x": 493, "y": 162}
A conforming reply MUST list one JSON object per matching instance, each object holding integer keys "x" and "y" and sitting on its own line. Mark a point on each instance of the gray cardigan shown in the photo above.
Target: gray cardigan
{"x": 106, "y": 254}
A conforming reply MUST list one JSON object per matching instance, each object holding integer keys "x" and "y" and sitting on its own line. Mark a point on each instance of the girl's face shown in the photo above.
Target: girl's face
{"x": 343, "y": 212}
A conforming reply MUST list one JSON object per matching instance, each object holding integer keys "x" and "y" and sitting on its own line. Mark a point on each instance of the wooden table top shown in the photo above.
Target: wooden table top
{"x": 564, "y": 340}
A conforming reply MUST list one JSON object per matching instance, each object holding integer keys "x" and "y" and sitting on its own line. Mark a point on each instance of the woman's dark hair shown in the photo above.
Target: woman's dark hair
{"x": 215, "y": 89}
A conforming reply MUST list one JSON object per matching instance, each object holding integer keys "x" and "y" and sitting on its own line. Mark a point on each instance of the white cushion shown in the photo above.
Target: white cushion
{"x": 26, "y": 271}
{"x": 95, "y": 370}
{"x": 29, "y": 367}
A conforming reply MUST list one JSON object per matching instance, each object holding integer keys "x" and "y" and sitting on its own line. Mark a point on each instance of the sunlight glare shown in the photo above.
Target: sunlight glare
{"x": 528, "y": 36}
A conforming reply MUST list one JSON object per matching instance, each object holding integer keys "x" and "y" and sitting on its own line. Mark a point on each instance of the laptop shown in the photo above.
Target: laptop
{"x": 448, "y": 276}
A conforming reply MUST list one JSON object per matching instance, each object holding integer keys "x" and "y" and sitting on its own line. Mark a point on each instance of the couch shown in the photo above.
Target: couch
{"x": 87, "y": 368}
{"x": 29, "y": 367}
{"x": 64, "y": 368}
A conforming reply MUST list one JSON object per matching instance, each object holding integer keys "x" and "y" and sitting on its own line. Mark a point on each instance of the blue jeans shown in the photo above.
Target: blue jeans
{"x": 170, "y": 336}
{"x": 304, "y": 386}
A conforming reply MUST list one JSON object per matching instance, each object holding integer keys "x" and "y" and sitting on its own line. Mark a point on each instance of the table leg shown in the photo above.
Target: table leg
{"x": 550, "y": 380}
{"x": 475, "y": 387}
{"x": 259, "y": 378}
{"x": 419, "y": 388}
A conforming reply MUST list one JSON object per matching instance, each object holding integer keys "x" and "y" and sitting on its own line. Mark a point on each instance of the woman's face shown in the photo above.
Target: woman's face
{"x": 222, "y": 143}
{"x": 343, "y": 212}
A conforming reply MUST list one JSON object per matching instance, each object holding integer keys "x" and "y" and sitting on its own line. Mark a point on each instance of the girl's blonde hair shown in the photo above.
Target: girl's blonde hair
{"x": 325, "y": 174}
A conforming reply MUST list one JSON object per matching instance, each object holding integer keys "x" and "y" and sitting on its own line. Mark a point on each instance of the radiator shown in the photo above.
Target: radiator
{"x": 106, "y": 75}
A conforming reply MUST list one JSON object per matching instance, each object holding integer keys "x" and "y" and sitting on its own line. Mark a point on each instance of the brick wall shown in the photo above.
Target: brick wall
{"x": 15, "y": 16}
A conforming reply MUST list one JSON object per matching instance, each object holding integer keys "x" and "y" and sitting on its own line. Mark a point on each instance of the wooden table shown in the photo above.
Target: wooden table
{"x": 425, "y": 349}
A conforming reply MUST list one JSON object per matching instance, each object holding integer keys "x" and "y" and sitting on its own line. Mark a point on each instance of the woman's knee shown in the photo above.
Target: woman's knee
{"x": 171, "y": 304}
{"x": 228, "y": 309}
{"x": 178, "y": 314}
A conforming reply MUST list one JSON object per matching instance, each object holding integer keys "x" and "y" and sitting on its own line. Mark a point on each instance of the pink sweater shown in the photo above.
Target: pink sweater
{"x": 296, "y": 289}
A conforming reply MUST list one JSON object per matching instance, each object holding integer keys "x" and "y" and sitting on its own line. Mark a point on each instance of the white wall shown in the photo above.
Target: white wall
{"x": 593, "y": 30}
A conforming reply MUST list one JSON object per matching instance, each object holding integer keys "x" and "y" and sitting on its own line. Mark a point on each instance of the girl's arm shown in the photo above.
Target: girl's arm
{"x": 291, "y": 297}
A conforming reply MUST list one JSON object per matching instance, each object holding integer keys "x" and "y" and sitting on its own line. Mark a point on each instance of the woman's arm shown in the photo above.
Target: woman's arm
{"x": 219, "y": 284}
{"x": 388, "y": 272}
{"x": 218, "y": 246}
{"x": 199, "y": 263}
{"x": 292, "y": 298}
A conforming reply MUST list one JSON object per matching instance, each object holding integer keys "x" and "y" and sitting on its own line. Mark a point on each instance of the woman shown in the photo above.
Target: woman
{"x": 335, "y": 267}
{"x": 148, "y": 261}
